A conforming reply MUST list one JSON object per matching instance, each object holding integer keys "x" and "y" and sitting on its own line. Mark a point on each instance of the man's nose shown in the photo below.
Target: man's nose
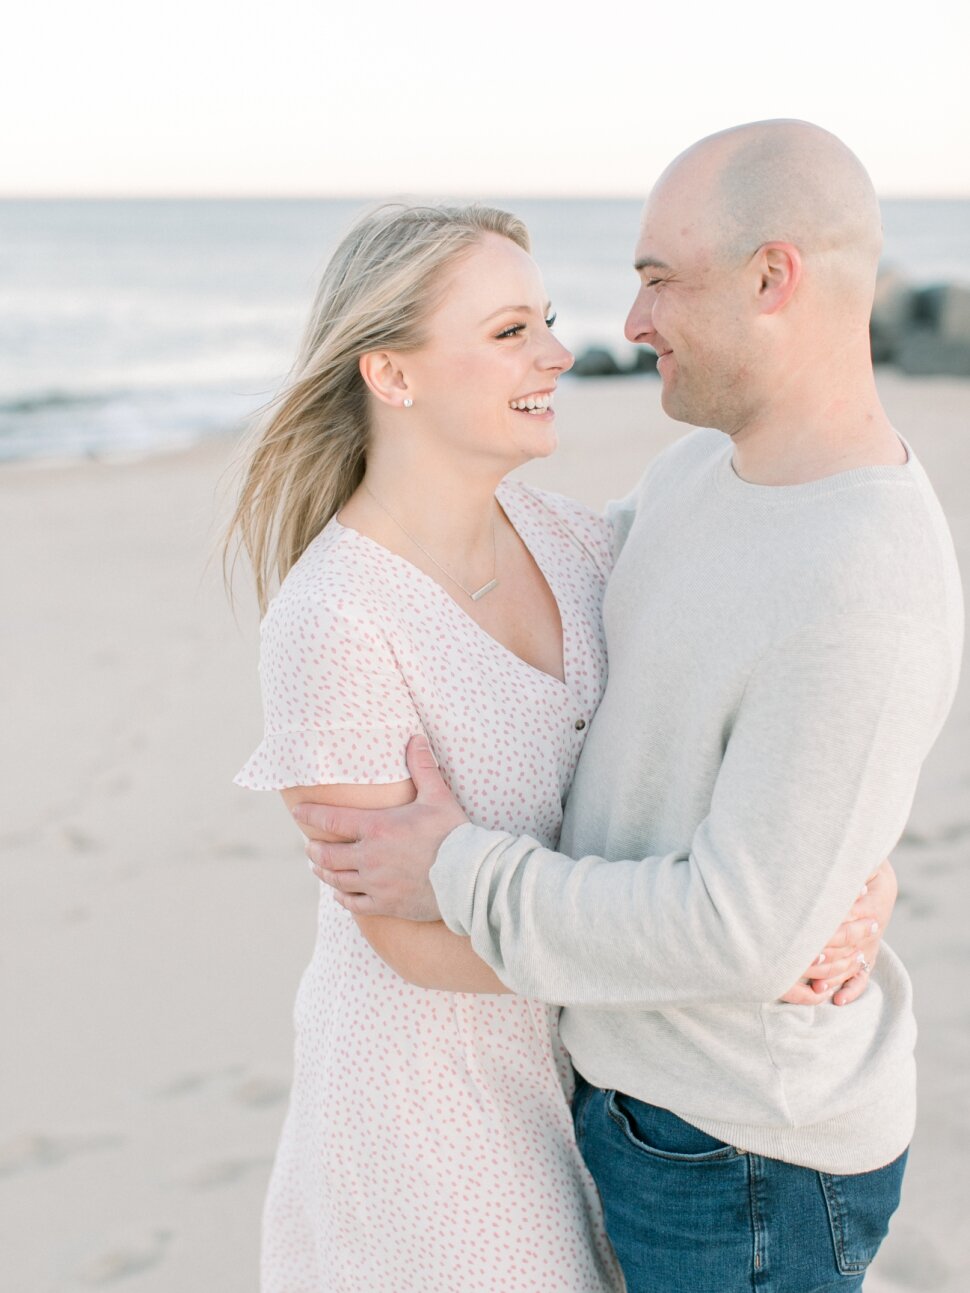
{"x": 639, "y": 322}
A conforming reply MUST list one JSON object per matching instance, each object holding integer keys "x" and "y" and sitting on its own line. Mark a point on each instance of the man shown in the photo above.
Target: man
{"x": 784, "y": 628}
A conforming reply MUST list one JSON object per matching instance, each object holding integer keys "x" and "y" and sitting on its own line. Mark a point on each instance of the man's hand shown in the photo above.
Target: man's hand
{"x": 385, "y": 872}
{"x": 842, "y": 971}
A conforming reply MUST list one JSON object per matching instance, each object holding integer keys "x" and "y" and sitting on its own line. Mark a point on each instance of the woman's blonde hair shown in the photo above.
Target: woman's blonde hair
{"x": 307, "y": 455}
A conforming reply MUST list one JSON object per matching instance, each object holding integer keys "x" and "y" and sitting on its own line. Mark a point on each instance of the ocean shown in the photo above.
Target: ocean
{"x": 132, "y": 326}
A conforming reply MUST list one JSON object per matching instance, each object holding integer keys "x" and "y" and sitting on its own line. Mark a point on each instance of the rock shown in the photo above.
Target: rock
{"x": 644, "y": 361}
{"x": 945, "y": 307}
{"x": 925, "y": 353}
{"x": 892, "y": 314}
{"x": 925, "y": 331}
{"x": 954, "y": 319}
{"x": 595, "y": 362}
{"x": 927, "y": 305}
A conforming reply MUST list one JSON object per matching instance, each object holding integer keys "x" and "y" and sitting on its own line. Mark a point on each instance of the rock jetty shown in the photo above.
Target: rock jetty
{"x": 924, "y": 331}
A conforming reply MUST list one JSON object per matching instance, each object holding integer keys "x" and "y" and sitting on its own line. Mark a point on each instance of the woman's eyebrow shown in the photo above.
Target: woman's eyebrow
{"x": 515, "y": 309}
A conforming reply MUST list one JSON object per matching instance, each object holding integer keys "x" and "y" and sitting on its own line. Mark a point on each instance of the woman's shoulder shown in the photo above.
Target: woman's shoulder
{"x": 335, "y": 582}
{"x": 587, "y": 528}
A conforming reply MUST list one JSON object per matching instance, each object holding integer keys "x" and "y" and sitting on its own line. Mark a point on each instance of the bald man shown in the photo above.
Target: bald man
{"x": 784, "y": 628}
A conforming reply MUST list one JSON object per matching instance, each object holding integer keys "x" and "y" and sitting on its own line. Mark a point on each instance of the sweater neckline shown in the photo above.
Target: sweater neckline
{"x": 730, "y": 483}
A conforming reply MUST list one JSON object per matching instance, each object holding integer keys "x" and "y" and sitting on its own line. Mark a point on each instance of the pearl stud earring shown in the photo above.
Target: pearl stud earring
{"x": 408, "y": 403}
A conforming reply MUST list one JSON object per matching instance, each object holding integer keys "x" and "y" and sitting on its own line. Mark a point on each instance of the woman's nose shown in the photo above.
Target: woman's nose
{"x": 559, "y": 357}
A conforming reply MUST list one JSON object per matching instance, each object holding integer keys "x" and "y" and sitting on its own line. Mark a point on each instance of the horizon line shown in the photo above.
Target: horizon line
{"x": 398, "y": 196}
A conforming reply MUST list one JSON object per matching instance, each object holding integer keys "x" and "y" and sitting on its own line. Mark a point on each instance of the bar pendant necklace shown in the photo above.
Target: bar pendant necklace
{"x": 476, "y": 594}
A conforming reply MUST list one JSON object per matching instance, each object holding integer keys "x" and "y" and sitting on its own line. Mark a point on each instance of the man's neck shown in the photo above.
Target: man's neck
{"x": 796, "y": 443}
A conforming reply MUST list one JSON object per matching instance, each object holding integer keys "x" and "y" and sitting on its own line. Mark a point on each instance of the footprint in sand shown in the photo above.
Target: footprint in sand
{"x": 16, "y": 840}
{"x": 128, "y": 1257}
{"x": 951, "y": 833}
{"x": 255, "y": 1092}
{"x": 260, "y": 1093}
{"x": 78, "y": 840}
{"x": 190, "y": 1083}
{"x": 35, "y": 1150}
{"x": 226, "y": 1171}
{"x": 236, "y": 850}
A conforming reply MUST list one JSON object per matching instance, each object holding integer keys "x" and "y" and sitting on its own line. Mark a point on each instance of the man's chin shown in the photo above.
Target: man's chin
{"x": 679, "y": 409}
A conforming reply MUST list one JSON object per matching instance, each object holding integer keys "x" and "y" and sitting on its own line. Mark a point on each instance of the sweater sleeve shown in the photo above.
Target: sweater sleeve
{"x": 815, "y": 786}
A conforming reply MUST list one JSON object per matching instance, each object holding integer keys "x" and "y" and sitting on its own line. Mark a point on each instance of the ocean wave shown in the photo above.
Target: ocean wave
{"x": 66, "y": 424}
{"x": 27, "y": 404}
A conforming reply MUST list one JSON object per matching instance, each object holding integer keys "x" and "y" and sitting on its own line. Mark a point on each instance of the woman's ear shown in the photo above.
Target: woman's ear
{"x": 779, "y": 269}
{"x": 382, "y": 373}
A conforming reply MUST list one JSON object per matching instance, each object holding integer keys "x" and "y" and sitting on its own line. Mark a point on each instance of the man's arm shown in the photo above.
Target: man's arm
{"x": 815, "y": 787}
{"x": 816, "y": 783}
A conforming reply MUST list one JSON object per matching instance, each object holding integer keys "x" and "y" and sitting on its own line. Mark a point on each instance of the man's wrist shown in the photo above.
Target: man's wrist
{"x": 455, "y": 869}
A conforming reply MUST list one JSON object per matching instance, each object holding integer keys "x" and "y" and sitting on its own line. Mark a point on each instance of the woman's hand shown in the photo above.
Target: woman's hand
{"x": 842, "y": 971}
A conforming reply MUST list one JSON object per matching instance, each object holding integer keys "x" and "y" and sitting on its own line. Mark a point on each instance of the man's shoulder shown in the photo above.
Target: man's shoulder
{"x": 894, "y": 538}
{"x": 688, "y": 459}
{"x": 698, "y": 447}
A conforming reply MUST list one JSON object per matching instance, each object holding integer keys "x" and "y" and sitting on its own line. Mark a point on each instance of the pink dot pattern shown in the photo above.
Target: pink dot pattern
{"x": 428, "y": 1144}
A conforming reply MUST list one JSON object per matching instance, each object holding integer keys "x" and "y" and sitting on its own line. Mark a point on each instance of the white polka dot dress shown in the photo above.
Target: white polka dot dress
{"x": 428, "y": 1144}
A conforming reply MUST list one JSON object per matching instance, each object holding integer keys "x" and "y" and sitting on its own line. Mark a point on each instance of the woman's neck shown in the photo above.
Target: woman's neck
{"x": 431, "y": 508}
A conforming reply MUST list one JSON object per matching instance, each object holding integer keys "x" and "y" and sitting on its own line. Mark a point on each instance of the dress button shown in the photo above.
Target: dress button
{"x": 580, "y": 724}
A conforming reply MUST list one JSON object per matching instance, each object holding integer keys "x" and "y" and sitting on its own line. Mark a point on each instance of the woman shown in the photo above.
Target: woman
{"x": 429, "y": 1143}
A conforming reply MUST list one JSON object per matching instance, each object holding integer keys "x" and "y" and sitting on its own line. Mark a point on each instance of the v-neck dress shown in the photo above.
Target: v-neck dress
{"x": 429, "y": 1143}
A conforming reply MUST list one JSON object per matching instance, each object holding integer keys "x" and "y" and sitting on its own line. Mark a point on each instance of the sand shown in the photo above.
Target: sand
{"x": 154, "y": 919}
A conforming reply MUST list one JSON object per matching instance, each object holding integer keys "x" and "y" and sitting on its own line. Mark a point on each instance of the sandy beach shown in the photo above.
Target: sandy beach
{"x": 155, "y": 919}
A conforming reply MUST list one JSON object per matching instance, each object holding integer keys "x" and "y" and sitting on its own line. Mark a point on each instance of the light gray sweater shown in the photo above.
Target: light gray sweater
{"x": 781, "y": 661}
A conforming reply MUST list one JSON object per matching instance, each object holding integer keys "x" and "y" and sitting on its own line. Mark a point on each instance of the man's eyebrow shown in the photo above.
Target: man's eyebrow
{"x": 515, "y": 309}
{"x": 649, "y": 262}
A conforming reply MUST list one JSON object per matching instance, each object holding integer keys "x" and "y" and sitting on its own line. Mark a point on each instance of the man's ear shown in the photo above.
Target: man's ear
{"x": 779, "y": 269}
{"x": 381, "y": 370}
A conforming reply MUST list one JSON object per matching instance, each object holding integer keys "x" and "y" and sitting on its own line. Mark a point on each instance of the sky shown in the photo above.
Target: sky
{"x": 444, "y": 98}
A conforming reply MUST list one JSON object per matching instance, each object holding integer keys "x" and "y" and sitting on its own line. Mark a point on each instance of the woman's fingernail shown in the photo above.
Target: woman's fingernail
{"x": 863, "y": 891}
{"x": 821, "y": 959}
{"x": 309, "y": 863}
{"x": 874, "y": 927}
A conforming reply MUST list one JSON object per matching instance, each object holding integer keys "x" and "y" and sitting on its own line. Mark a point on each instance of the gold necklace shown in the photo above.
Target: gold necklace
{"x": 478, "y": 592}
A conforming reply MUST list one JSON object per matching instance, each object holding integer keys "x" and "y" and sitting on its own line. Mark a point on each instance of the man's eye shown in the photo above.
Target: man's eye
{"x": 653, "y": 282}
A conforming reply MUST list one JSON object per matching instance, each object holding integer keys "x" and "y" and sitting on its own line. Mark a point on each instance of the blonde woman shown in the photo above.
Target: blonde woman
{"x": 429, "y": 1143}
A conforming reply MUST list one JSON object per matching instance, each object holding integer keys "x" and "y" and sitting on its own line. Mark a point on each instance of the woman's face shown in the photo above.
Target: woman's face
{"x": 490, "y": 352}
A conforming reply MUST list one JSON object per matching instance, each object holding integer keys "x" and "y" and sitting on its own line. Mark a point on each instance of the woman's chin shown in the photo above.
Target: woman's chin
{"x": 543, "y": 442}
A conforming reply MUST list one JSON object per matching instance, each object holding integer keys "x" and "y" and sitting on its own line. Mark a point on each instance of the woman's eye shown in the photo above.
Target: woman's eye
{"x": 513, "y": 331}
{"x": 551, "y": 321}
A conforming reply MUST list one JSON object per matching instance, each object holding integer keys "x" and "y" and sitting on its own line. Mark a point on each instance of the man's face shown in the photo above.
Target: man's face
{"x": 691, "y": 309}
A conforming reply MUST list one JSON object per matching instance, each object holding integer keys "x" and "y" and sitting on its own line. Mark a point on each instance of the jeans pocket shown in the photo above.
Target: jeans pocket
{"x": 859, "y": 1209}
{"x": 582, "y": 1095}
{"x": 660, "y": 1134}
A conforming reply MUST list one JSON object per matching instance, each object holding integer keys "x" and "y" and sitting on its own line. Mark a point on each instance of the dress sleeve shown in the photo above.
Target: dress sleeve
{"x": 336, "y": 707}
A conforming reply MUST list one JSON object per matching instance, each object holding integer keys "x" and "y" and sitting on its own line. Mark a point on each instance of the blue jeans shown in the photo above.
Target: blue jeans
{"x": 690, "y": 1214}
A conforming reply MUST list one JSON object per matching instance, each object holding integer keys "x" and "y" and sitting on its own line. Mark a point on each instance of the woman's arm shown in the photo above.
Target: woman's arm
{"x": 426, "y": 954}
